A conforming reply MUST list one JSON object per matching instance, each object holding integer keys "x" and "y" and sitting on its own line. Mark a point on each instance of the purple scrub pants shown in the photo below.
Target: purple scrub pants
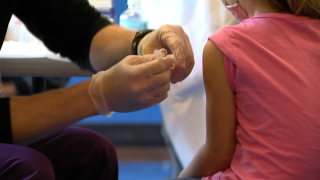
{"x": 72, "y": 153}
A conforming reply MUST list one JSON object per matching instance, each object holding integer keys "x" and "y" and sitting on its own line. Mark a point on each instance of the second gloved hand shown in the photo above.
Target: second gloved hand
{"x": 174, "y": 39}
{"x": 135, "y": 83}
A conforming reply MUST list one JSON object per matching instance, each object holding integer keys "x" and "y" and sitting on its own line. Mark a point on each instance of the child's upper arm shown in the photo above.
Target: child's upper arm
{"x": 218, "y": 151}
{"x": 220, "y": 109}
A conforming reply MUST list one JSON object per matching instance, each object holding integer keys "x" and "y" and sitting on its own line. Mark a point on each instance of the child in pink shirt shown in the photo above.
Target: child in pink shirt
{"x": 262, "y": 80}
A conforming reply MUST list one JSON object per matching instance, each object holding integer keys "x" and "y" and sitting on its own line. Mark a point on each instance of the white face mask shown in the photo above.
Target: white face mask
{"x": 237, "y": 11}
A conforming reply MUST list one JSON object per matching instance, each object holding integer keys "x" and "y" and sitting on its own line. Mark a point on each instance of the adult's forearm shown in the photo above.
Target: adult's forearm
{"x": 109, "y": 46}
{"x": 35, "y": 117}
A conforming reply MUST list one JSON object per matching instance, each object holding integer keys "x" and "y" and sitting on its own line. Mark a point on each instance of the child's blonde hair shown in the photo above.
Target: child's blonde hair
{"x": 309, "y": 8}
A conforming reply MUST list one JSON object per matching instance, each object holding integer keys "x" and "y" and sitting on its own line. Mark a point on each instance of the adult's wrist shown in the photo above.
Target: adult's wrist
{"x": 136, "y": 48}
{"x": 96, "y": 93}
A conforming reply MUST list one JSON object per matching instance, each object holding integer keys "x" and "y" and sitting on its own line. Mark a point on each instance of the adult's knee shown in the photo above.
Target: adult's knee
{"x": 97, "y": 153}
{"x": 91, "y": 143}
{"x": 24, "y": 163}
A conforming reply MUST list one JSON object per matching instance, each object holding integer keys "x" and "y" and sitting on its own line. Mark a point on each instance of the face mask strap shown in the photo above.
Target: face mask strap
{"x": 237, "y": 11}
{"x": 225, "y": 3}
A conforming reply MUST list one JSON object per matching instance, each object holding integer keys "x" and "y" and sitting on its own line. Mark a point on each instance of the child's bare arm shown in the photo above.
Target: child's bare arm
{"x": 216, "y": 154}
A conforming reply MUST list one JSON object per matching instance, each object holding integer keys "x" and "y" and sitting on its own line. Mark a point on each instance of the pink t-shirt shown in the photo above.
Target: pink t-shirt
{"x": 272, "y": 62}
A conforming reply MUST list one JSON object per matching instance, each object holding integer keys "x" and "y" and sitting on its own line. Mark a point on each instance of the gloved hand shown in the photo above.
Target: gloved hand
{"x": 135, "y": 83}
{"x": 176, "y": 41}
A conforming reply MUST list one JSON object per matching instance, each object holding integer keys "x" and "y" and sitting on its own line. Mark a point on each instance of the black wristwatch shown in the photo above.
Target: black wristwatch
{"x": 139, "y": 35}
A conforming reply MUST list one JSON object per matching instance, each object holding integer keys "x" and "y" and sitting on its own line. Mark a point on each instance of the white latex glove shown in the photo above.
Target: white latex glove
{"x": 174, "y": 39}
{"x": 135, "y": 83}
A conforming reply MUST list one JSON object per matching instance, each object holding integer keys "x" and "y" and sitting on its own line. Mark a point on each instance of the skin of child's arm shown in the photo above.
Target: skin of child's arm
{"x": 221, "y": 123}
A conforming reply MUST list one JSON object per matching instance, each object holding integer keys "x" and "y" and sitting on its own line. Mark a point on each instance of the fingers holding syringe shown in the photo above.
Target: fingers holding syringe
{"x": 179, "y": 75}
{"x": 158, "y": 66}
{"x": 159, "y": 82}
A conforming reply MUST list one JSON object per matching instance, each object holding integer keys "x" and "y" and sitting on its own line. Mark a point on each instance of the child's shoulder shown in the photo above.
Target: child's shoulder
{"x": 231, "y": 39}
{"x": 242, "y": 30}
{"x": 228, "y": 32}
{"x": 245, "y": 26}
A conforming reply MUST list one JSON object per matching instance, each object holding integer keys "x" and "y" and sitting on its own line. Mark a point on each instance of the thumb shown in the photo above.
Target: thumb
{"x": 159, "y": 65}
{"x": 164, "y": 51}
{"x": 171, "y": 40}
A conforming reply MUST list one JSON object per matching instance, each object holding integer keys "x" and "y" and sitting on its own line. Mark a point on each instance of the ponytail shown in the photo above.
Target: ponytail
{"x": 310, "y": 8}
